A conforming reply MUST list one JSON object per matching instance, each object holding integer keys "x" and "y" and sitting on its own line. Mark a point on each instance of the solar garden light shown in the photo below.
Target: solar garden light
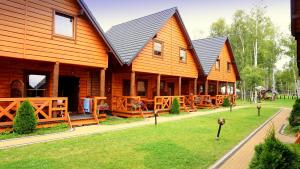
{"x": 258, "y": 109}
{"x": 220, "y": 122}
{"x": 231, "y": 107}
{"x": 155, "y": 117}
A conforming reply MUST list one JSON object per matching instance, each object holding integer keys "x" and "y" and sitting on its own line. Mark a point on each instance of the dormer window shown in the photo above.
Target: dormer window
{"x": 182, "y": 55}
{"x": 63, "y": 25}
{"x": 218, "y": 64}
{"x": 157, "y": 48}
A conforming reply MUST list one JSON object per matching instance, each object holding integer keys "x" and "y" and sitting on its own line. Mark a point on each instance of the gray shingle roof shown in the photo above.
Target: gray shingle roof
{"x": 129, "y": 38}
{"x": 208, "y": 51}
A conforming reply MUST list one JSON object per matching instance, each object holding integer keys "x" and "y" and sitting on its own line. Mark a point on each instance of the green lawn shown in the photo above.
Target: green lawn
{"x": 188, "y": 143}
{"x": 112, "y": 120}
{"x": 55, "y": 129}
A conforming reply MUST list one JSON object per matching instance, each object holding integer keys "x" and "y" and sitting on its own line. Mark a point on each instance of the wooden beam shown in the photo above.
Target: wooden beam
{"x": 102, "y": 83}
{"x": 55, "y": 78}
{"x": 179, "y": 86}
{"x": 226, "y": 88}
{"x": 234, "y": 86}
{"x": 132, "y": 84}
{"x": 158, "y": 85}
{"x": 195, "y": 86}
{"x": 206, "y": 87}
{"x": 217, "y": 93}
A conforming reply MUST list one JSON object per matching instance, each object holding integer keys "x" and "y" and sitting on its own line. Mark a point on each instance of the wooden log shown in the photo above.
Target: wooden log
{"x": 102, "y": 83}
{"x": 132, "y": 84}
{"x": 55, "y": 77}
{"x": 206, "y": 87}
{"x": 217, "y": 88}
{"x": 195, "y": 86}
{"x": 158, "y": 85}
{"x": 179, "y": 86}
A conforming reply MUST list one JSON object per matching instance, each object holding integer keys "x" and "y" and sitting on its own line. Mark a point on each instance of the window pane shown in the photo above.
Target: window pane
{"x": 218, "y": 64}
{"x": 157, "y": 48}
{"x": 64, "y": 25}
{"x": 36, "y": 86}
{"x": 182, "y": 55}
{"x": 141, "y": 86}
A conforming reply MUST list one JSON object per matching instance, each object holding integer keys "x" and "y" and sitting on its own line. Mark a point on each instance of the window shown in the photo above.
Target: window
{"x": 63, "y": 25}
{"x": 142, "y": 88}
{"x": 218, "y": 64}
{"x": 37, "y": 85}
{"x": 182, "y": 56}
{"x": 228, "y": 66}
{"x": 157, "y": 48}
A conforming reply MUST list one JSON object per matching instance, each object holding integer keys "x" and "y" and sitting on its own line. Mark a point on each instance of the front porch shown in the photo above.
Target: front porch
{"x": 55, "y": 90}
{"x": 137, "y": 94}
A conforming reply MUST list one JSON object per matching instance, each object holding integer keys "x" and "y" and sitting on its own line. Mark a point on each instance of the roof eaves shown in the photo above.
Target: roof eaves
{"x": 99, "y": 29}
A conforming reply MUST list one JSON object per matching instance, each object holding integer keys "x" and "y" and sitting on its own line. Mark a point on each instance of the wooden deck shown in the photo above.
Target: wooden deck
{"x": 50, "y": 110}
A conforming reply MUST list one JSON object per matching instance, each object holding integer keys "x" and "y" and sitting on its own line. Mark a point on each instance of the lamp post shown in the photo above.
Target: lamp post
{"x": 155, "y": 118}
{"x": 258, "y": 109}
{"x": 220, "y": 122}
{"x": 231, "y": 107}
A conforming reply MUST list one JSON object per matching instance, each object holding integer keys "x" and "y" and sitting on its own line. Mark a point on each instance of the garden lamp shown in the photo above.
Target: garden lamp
{"x": 258, "y": 109}
{"x": 220, "y": 122}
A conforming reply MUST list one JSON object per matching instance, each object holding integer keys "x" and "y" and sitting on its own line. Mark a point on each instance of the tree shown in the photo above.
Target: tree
{"x": 175, "y": 109}
{"x": 219, "y": 28}
{"x": 25, "y": 120}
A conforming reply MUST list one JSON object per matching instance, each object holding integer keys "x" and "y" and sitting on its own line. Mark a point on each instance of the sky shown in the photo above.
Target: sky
{"x": 197, "y": 15}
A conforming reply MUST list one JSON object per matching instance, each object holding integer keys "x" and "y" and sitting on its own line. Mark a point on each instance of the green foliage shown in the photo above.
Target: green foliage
{"x": 294, "y": 118}
{"x": 175, "y": 109}
{"x": 252, "y": 76}
{"x": 219, "y": 28}
{"x": 274, "y": 154}
{"x": 25, "y": 120}
{"x": 226, "y": 103}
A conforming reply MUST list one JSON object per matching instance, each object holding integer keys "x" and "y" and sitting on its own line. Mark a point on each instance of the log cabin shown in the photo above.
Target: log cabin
{"x": 54, "y": 54}
{"x": 220, "y": 71}
{"x": 159, "y": 63}
{"x": 295, "y": 26}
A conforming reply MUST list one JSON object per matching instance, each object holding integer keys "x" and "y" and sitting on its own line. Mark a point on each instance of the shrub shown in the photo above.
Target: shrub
{"x": 274, "y": 154}
{"x": 25, "y": 120}
{"x": 226, "y": 103}
{"x": 175, "y": 109}
{"x": 294, "y": 118}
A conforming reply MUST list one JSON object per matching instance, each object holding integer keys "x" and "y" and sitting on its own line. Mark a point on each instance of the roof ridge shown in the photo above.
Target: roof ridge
{"x": 175, "y": 8}
{"x": 216, "y": 37}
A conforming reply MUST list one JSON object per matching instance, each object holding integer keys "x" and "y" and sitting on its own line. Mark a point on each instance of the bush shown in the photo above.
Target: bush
{"x": 274, "y": 154}
{"x": 226, "y": 103}
{"x": 294, "y": 118}
{"x": 25, "y": 120}
{"x": 175, "y": 109}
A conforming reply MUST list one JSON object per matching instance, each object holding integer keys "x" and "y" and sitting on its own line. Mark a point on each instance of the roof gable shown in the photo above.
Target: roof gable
{"x": 208, "y": 51}
{"x": 129, "y": 38}
{"x": 97, "y": 27}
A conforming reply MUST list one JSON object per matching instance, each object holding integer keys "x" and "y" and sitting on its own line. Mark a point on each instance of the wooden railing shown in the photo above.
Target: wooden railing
{"x": 126, "y": 104}
{"x": 47, "y": 109}
{"x": 164, "y": 103}
{"x": 98, "y": 102}
{"x": 219, "y": 99}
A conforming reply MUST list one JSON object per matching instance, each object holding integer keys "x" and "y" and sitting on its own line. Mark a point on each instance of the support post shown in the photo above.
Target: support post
{"x": 234, "y": 88}
{"x": 195, "y": 86}
{"x": 206, "y": 87}
{"x": 179, "y": 86}
{"x": 55, "y": 78}
{"x": 226, "y": 88}
{"x": 158, "y": 85}
{"x": 132, "y": 84}
{"x": 217, "y": 93}
{"x": 102, "y": 82}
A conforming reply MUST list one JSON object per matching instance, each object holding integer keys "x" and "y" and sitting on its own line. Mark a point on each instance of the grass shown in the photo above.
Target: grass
{"x": 277, "y": 103}
{"x": 113, "y": 120}
{"x": 59, "y": 128}
{"x": 188, "y": 143}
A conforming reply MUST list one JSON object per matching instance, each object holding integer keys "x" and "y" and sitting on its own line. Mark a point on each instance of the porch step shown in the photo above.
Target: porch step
{"x": 83, "y": 122}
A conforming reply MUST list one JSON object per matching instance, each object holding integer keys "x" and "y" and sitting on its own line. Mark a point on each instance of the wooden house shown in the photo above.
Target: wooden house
{"x": 159, "y": 63}
{"x": 295, "y": 26}
{"x": 53, "y": 53}
{"x": 220, "y": 71}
